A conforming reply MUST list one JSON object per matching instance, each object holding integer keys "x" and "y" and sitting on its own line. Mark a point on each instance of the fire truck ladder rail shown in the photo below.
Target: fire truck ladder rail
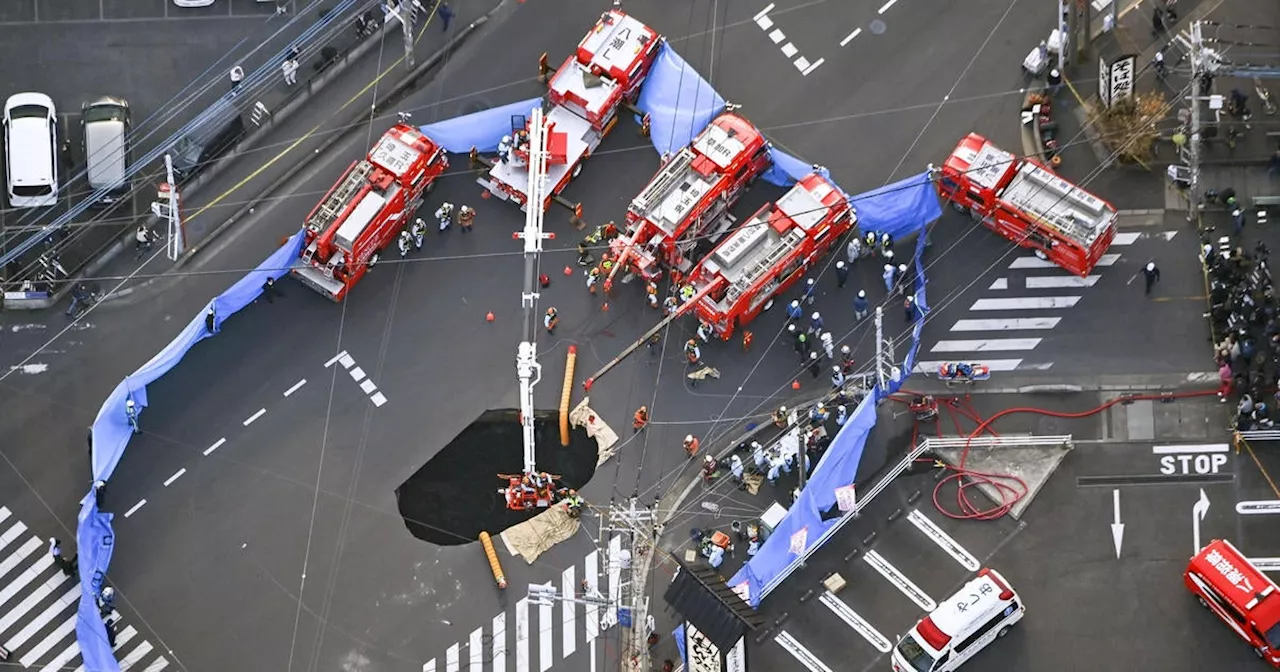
{"x": 672, "y": 175}
{"x": 762, "y": 265}
{"x": 337, "y": 201}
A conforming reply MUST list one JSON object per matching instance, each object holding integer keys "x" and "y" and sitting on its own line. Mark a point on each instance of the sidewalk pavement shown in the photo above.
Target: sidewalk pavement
{"x": 303, "y": 123}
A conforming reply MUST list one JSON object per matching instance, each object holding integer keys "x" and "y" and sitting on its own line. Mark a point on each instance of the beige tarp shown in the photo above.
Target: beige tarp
{"x": 537, "y": 535}
{"x": 606, "y": 438}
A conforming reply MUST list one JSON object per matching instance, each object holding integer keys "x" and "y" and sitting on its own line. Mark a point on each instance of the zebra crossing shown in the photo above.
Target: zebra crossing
{"x": 38, "y": 605}
{"x": 1003, "y": 330}
{"x": 526, "y": 634}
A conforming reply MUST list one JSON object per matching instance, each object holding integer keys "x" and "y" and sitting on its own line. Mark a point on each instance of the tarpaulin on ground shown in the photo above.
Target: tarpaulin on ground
{"x": 899, "y": 209}
{"x": 111, "y": 432}
{"x": 679, "y": 102}
{"x": 785, "y": 170}
{"x": 814, "y": 512}
{"x": 482, "y": 130}
{"x": 678, "y": 635}
{"x": 94, "y": 541}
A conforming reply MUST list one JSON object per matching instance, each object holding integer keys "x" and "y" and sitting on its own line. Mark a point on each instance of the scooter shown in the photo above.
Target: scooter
{"x": 963, "y": 372}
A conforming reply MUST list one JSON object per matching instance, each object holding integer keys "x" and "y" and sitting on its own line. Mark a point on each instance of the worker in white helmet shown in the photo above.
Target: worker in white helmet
{"x": 404, "y": 242}
{"x": 860, "y": 305}
{"x": 504, "y": 149}
{"x": 815, "y": 323}
{"x": 418, "y": 230}
{"x": 828, "y": 344}
{"x": 444, "y": 216}
{"x": 794, "y": 311}
{"x": 131, "y": 412}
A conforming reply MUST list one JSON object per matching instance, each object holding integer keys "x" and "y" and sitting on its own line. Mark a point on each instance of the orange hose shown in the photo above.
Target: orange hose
{"x": 566, "y": 395}
{"x": 494, "y": 566}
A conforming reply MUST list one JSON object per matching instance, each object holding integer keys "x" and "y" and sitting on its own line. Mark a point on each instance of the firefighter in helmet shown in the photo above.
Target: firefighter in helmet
{"x": 692, "y": 353}
{"x": 444, "y": 216}
{"x": 670, "y": 304}
{"x": 573, "y": 503}
{"x": 869, "y": 240}
{"x": 550, "y": 320}
{"x": 504, "y": 149}
{"x": 886, "y": 245}
{"x": 404, "y": 242}
{"x": 687, "y": 293}
{"x": 593, "y": 277}
{"x": 418, "y": 230}
{"x": 651, "y": 294}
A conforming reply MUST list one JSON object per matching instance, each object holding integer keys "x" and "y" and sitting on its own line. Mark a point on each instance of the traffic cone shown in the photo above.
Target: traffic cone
{"x": 485, "y": 194}
{"x": 488, "y": 317}
{"x": 568, "y": 271}
{"x": 795, "y": 384}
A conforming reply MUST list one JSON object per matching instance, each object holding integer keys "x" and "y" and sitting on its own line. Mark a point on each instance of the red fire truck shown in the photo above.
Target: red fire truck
{"x": 365, "y": 211}
{"x": 583, "y": 97}
{"x": 1028, "y": 204}
{"x": 687, "y": 202}
{"x": 1231, "y": 587}
{"x": 769, "y": 253}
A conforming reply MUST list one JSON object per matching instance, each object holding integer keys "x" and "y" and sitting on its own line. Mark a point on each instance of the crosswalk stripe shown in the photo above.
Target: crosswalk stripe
{"x": 451, "y": 659}
{"x": 18, "y": 556}
{"x": 46, "y": 617}
{"x": 851, "y": 618}
{"x": 1062, "y": 281}
{"x": 4, "y": 513}
{"x": 802, "y": 655}
{"x": 60, "y": 661}
{"x": 12, "y": 534}
{"x": 429, "y": 666}
{"x": 591, "y": 574}
{"x": 996, "y": 365}
{"x": 475, "y": 650}
{"x": 500, "y": 641}
{"x": 546, "y": 614}
{"x": 43, "y": 563}
{"x": 1010, "y": 324}
{"x": 1000, "y": 283}
{"x": 1026, "y": 303}
{"x": 522, "y": 635}
{"x": 27, "y": 604}
{"x": 136, "y": 655}
{"x": 51, "y": 640}
{"x": 987, "y": 345}
{"x": 157, "y": 665}
{"x": 1108, "y": 259}
{"x": 1125, "y": 238}
{"x": 123, "y": 638}
{"x": 567, "y": 589}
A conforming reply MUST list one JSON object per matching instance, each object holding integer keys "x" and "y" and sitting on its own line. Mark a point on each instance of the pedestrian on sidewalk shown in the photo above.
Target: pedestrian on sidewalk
{"x": 131, "y": 412}
{"x": 1152, "y": 275}
{"x": 237, "y": 76}
{"x": 68, "y": 567}
{"x": 446, "y": 15}
{"x": 842, "y": 274}
{"x": 289, "y": 68}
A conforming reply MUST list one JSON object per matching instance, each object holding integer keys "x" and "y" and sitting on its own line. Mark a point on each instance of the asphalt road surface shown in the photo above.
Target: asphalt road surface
{"x": 247, "y": 488}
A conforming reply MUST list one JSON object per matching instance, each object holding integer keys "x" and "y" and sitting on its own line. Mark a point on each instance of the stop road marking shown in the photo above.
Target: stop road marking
{"x": 1192, "y": 459}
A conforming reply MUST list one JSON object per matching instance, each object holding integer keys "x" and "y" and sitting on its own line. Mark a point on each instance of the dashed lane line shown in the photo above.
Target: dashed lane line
{"x": 176, "y": 475}
{"x": 849, "y": 38}
{"x": 885, "y": 7}
{"x": 134, "y": 509}
{"x": 295, "y": 387}
{"x": 216, "y": 445}
{"x": 261, "y": 412}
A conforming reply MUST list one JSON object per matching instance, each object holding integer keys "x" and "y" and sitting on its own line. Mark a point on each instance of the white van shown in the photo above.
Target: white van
{"x": 962, "y": 625}
{"x": 31, "y": 150}
{"x": 105, "y": 124}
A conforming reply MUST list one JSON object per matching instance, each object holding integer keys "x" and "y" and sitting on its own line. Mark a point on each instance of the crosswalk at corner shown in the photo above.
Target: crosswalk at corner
{"x": 38, "y": 605}
{"x": 1002, "y": 330}
{"x": 526, "y": 634}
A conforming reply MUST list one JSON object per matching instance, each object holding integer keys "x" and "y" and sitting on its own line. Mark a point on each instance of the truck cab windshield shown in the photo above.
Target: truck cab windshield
{"x": 915, "y": 654}
{"x": 1273, "y": 637}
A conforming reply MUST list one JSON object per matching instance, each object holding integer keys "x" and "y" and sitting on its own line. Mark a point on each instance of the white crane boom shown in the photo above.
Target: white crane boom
{"x": 528, "y": 369}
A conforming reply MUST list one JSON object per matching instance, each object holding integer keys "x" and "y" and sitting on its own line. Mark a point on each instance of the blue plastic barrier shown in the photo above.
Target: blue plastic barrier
{"x": 482, "y": 130}
{"x": 679, "y": 102}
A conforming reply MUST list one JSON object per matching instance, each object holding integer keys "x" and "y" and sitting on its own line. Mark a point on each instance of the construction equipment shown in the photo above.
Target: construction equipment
{"x": 1028, "y": 204}
{"x": 584, "y": 97}
{"x": 365, "y": 211}
{"x": 687, "y": 202}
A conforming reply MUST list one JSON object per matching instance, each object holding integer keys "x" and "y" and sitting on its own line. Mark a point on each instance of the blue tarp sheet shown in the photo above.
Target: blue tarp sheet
{"x": 786, "y": 169}
{"x": 482, "y": 130}
{"x": 678, "y": 635}
{"x": 110, "y": 436}
{"x": 900, "y": 208}
{"x": 679, "y": 102}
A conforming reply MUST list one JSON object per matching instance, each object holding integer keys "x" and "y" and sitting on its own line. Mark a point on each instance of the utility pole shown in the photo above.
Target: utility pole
{"x": 881, "y": 370}
{"x": 166, "y": 208}
{"x": 405, "y": 13}
{"x": 1193, "y": 142}
{"x": 637, "y": 525}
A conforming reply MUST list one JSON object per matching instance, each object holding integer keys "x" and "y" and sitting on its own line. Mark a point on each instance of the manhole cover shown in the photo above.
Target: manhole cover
{"x": 877, "y": 27}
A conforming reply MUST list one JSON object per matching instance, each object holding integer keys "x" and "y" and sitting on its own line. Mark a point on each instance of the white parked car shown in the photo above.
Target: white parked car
{"x": 31, "y": 150}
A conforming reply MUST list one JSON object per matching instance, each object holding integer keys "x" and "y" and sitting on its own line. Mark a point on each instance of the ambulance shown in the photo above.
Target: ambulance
{"x": 981, "y": 612}
{"x": 1227, "y": 584}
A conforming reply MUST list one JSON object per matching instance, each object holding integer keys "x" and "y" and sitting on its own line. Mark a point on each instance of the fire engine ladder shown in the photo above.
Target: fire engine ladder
{"x": 762, "y": 265}
{"x": 341, "y": 195}
{"x": 1066, "y": 223}
{"x": 672, "y": 175}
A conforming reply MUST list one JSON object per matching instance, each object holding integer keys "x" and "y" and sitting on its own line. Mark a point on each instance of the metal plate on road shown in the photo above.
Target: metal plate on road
{"x": 1260, "y": 507}
{"x": 900, "y": 581}
{"x": 951, "y": 546}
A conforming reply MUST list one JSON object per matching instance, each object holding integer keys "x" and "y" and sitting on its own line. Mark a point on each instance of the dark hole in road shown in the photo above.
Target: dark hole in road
{"x": 454, "y": 496}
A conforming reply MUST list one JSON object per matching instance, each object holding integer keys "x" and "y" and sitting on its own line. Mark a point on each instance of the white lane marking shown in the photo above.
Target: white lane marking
{"x": 812, "y": 66}
{"x": 789, "y": 50}
{"x": 1108, "y": 259}
{"x": 885, "y": 7}
{"x": 1182, "y": 450}
{"x": 346, "y": 361}
{"x": 368, "y": 387}
{"x": 176, "y": 475}
{"x": 851, "y": 618}
{"x": 134, "y": 509}
{"x": 451, "y": 659}
{"x": 12, "y": 533}
{"x": 988, "y": 345}
{"x": 378, "y": 399}
{"x": 1062, "y": 281}
{"x": 500, "y": 641}
{"x": 1125, "y": 238}
{"x": 261, "y": 412}
{"x": 899, "y": 580}
{"x": 764, "y": 22}
{"x": 135, "y": 655}
{"x": 43, "y": 620}
{"x": 522, "y": 635}
{"x": 51, "y": 640}
{"x": 336, "y": 358}
{"x": 996, "y": 365}
{"x": 73, "y": 649}
{"x": 17, "y": 557}
{"x": 429, "y": 666}
{"x": 591, "y": 575}
{"x": 1007, "y": 324}
{"x": 4, "y": 513}
{"x": 1000, "y": 283}
{"x": 28, "y": 603}
{"x": 943, "y": 540}
{"x": 357, "y": 374}
{"x": 777, "y": 36}
{"x": 1258, "y": 507}
{"x": 295, "y": 387}
{"x": 19, "y": 584}
{"x": 157, "y": 665}
{"x": 1026, "y": 303}
{"x": 849, "y": 38}
{"x": 546, "y": 614}
{"x": 570, "y": 609}
{"x": 475, "y": 652}
{"x": 801, "y": 654}
{"x": 764, "y": 11}
{"x": 216, "y": 445}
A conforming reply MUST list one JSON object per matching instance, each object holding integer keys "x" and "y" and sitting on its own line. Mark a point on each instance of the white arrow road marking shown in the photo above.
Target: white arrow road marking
{"x": 853, "y": 620}
{"x": 944, "y": 540}
{"x": 1117, "y": 527}
{"x": 1261, "y": 507}
{"x": 1198, "y": 511}
{"x": 899, "y": 580}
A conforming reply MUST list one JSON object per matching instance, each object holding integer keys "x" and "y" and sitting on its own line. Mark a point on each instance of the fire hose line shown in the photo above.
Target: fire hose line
{"x": 1009, "y": 489}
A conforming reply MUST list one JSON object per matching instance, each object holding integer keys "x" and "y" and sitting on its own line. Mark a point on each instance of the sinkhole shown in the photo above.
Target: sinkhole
{"x": 454, "y": 497}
